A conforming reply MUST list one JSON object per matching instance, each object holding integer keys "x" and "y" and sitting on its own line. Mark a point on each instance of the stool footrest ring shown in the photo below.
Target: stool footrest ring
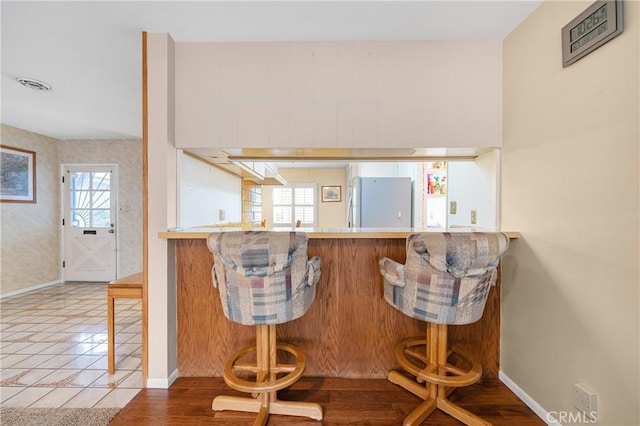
{"x": 294, "y": 371}
{"x": 437, "y": 373}
{"x": 434, "y": 376}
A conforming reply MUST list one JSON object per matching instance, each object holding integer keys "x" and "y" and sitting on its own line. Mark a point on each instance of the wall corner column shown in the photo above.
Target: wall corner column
{"x": 161, "y": 210}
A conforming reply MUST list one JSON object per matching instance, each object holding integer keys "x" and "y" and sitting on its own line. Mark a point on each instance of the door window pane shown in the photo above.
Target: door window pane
{"x": 80, "y": 218}
{"x": 80, "y": 180}
{"x": 90, "y": 195}
{"x": 102, "y": 181}
{"x": 101, "y": 200}
{"x": 100, "y": 218}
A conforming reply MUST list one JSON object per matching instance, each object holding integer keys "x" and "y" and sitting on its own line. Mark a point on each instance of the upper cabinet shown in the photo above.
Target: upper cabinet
{"x": 339, "y": 94}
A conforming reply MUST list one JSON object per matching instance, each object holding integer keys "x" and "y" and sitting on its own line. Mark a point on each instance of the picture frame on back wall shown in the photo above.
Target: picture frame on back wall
{"x": 331, "y": 194}
{"x": 17, "y": 175}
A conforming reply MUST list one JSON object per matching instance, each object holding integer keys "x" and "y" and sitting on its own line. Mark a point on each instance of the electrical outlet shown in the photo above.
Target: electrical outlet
{"x": 585, "y": 399}
{"x": 222, "y": 214}
{"x": 453, "y": 207}
{"x": 474, "y": 217}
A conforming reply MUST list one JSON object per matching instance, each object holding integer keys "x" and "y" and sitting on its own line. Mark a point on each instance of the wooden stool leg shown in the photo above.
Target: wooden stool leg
{"x": 266, "y": 369}
{"x": 263, "y": 359}
{"x": 437, "y": 379}
{"x": 111, "y": 362}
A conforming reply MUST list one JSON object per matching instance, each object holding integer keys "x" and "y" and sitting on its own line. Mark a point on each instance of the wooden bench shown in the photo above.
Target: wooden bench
{"x": 129, "y": 287}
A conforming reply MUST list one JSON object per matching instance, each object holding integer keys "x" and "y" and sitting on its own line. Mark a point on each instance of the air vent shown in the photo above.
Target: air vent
{"x": 33, "y": 84}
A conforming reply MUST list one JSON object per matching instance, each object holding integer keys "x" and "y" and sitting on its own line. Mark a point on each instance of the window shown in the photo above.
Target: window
{"x": 90, "y": 199}
{"x": 294, "y": 202}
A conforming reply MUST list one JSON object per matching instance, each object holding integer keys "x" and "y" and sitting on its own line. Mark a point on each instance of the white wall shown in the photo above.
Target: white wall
{"x": 570, "y": 185}
{"x": 376, "y": 169}
{"x": 472, "y": 184}
{"x": 204, "y": 190}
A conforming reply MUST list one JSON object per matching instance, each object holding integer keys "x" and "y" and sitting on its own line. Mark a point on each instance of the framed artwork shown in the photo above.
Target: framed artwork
{"x": 17, "y": 175}
{"x": 331, "y": 194}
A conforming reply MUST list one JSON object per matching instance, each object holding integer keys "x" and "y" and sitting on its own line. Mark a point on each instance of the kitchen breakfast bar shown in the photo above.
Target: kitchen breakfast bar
{"x": 349, "y": 331}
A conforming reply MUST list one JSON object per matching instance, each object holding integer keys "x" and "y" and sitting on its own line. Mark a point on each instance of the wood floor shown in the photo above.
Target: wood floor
{"x": 345, "y": 402}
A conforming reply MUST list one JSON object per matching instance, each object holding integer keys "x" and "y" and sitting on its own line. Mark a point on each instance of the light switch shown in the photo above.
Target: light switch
{"x": 453, "y": 207}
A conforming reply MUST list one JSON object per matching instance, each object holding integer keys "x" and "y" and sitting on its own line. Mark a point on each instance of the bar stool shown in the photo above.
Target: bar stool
{"x": 446, "y": 280}
{"x": 264, "y": 278}
{"x": 129, "y": 287}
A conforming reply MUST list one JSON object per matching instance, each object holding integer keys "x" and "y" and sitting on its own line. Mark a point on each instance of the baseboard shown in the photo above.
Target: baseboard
{"x": 530, "y": 402}
{"x": 162, "y": 383}
{"x": 28, "y": 289}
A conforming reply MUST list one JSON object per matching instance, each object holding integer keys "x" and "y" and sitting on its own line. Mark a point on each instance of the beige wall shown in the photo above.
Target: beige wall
{"x": 29, "y": 230}
{"x": 331, "y": 214}
{"x": 30, "y": 249}
{"x": 570, "y": 185}
{"x": 127, "y": 154}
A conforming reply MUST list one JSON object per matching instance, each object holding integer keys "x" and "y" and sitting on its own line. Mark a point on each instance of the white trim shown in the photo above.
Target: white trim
{"x": 31, "y": 288}
{"x": 163, "y": 383}
{"x": 530, "y": 402}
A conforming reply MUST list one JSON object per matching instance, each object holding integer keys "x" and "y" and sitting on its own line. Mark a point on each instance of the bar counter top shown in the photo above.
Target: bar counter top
{"x": 314, "y": 233}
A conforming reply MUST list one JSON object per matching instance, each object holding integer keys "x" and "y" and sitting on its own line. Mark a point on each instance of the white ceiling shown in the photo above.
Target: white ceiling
{"x": 90, "y": 51}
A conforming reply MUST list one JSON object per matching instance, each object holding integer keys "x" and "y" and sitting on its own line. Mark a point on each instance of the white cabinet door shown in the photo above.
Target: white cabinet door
{"x": 413, "y": 95}
{"x": 325, "y": 94}
{"x": 345, "y": 104}
{"x": 465, "y": 101}
{"x": 253, "y": 95}
{"x": 387, "y": 94}
{"x": 200, "y": 93}
{"x": 226, "y": 101}
{"x": 301, "y": 95}
{"x": 365, "y": 99}
{"x": 278, "y": 91}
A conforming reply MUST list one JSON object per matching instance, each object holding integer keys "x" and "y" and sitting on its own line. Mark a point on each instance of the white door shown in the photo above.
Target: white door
{"x": 89, "y": 223}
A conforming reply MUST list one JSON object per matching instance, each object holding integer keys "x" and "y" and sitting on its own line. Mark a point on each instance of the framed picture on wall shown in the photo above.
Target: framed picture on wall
{"x": 331, "y": 194}
{"x": 17, "y": 175}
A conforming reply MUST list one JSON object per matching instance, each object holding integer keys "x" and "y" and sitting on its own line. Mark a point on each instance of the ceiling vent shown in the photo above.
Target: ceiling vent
{"x": 33, "y": 84}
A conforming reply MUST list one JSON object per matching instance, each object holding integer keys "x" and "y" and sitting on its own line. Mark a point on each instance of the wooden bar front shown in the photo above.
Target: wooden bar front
{"x": 349, "y": 331}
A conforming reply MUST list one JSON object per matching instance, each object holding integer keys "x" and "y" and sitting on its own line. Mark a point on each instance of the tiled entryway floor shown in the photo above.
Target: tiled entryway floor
{"x": 53, "y": 348}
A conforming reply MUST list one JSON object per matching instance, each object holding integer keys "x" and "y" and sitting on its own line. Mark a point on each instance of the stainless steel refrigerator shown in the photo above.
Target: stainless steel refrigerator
{"x": 381, "y": 202}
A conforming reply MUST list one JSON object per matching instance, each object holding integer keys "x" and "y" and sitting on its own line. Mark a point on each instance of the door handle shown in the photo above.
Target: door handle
{"x": 111, "y": 231}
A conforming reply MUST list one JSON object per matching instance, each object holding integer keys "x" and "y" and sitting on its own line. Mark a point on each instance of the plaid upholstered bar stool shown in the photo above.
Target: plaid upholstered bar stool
{"x": 445, "y": 280}
{"x": 264, "y": 278}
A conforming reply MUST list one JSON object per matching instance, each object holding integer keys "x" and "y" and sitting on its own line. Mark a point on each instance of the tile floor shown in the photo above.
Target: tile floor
{"x": 53, "y": 348}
